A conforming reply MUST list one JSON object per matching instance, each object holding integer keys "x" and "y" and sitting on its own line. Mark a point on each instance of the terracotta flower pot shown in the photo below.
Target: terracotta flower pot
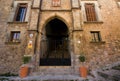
{"x": 23, "y": 71}
{"x": 83, "y": 71}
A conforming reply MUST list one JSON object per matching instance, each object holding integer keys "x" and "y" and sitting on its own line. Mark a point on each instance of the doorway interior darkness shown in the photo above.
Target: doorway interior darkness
{"x": 55, "y": 49}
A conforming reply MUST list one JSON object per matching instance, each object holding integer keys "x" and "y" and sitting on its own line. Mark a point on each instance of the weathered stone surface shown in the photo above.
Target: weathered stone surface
{"x": 98, "y": 54}
{"x": 65, "y": 5}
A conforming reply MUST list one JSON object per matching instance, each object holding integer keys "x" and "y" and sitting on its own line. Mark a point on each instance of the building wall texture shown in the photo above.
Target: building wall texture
{"x": 72, "y": 14}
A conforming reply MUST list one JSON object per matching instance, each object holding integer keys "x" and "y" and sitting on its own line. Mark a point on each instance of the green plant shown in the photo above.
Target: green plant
{"x": 82, "y": 58}
{"x": 26, "y": 59}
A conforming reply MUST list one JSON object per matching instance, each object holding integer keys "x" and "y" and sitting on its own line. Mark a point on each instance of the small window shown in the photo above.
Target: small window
{"x": 55, "y": 3}
{"x": 90, "y": 12}
{"x": 21, "y": 12}
{"x": 95, "y": 36}
{"x": 15, "y": 36}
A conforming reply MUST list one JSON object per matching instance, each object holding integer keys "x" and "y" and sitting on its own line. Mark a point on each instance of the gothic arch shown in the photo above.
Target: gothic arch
{"x": 54, "y": 17}
{"x": 54, "y": 44}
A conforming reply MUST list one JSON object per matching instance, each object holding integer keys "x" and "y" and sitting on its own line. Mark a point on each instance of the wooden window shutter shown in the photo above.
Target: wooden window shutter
{"x": 90, "y": 12}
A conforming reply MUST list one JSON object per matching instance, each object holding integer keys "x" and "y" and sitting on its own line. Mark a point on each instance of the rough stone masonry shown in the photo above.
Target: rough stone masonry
{"x": 71, "y": 12}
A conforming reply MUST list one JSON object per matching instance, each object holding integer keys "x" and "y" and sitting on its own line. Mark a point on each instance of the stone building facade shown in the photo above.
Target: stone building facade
{"x": 59, "y": 29}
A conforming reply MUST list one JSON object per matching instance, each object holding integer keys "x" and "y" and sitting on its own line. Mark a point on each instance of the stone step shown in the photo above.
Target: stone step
{"x": 116, "y": 67}
{"x": 110, "y": 74}
{"x": 51, "y": 78}
{"x": 54, "y": 71}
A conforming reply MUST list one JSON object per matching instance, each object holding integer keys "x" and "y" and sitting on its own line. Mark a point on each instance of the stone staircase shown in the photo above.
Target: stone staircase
{"x": 54, "y": 71}
{"x": 57, "y": 74}
{"x": 52, "y": 74}
{"x": 51, "y": 78}
{"x": 107, "y": 73}
{"x": 110, "y": 74}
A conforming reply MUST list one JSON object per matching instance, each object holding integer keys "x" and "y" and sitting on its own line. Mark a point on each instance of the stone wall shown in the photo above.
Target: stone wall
{"x": 11, "y": 54}
{"x": 98, "y": 54}
{"x": 5, "y": 51}
{"x": 107, "y": 52}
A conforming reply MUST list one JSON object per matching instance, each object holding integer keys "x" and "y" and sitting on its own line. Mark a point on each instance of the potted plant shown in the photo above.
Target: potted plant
{"x": 83, "y": 68}
{"x": 24, "y": 69}
{"x": 26, "y": 59}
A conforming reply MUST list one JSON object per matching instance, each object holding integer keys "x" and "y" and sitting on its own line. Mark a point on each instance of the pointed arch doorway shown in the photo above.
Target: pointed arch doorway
{"x": 55, "y": 48}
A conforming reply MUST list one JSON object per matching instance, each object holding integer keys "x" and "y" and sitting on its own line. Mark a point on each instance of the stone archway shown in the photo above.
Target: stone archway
{"x": 55, "y": 48}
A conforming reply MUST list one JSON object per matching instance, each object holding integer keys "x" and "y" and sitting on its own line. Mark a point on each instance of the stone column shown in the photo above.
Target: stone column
{"x": 34, "y": 19}
{"x": 76, "y": 19}
{"x": 75, "y": 3}
{"x": 77, "y": 33}
{"x": 77, "y": 27}
{"x": 36, "y": 3}
{"x": 76, "y": 13}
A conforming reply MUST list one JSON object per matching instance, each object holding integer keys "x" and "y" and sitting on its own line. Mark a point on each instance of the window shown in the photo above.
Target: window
{"x": 95, "y": 36}
{"x": 56, "y": 3}
{"x": 90, "y": 12}
{"x": 15, "y": 36}
{"x": 21, "y": 12}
